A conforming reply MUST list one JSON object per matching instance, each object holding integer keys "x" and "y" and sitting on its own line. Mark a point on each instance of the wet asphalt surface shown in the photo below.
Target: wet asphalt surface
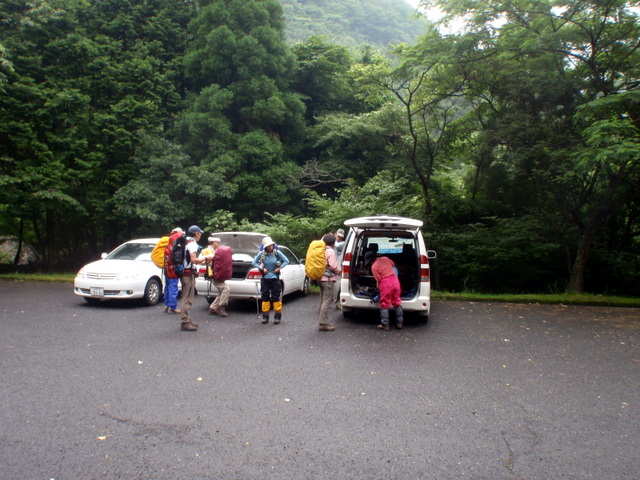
{"x": 481, "y": 391}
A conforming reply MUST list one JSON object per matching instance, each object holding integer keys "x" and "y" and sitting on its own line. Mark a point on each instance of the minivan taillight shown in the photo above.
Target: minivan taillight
{"x": 424, "y": 268}
{"x": 346, "y": 268}
{"x": 254, "y": 274}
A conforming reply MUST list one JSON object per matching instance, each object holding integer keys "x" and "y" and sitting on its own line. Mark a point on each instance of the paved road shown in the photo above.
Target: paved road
{"x": 482, "y": 391}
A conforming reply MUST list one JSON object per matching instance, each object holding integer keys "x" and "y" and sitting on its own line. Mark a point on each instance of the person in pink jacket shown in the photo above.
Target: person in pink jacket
{"x": 389, "y": 286}
{"x": 327, "y": 283}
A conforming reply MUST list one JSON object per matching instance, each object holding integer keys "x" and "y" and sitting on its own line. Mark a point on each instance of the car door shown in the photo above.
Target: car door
{"x": 293, "y": 274}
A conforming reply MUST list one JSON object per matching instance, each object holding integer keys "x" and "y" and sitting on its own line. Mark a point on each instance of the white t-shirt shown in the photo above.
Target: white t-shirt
{"x": 191, "y": 247}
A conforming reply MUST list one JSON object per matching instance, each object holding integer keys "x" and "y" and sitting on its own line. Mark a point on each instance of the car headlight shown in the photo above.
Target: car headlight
{"x": 80, "y": 273}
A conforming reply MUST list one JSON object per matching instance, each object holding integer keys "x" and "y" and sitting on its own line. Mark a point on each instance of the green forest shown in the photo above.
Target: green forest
{"x": 515, "y": 138}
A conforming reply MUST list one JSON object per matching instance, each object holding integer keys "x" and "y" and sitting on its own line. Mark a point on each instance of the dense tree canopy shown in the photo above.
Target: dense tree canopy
{"x": 516, "y": 138}
{"x": 242, "y": 121}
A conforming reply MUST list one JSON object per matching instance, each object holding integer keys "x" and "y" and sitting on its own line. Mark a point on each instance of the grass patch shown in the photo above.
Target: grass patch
{"x": 436, "y": 296}
{"x": 562, "y": 298}
{"x": 38, "y": 277}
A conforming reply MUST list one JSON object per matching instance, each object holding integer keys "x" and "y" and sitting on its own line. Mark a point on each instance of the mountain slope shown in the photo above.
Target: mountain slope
{"x": 352, "y": 22}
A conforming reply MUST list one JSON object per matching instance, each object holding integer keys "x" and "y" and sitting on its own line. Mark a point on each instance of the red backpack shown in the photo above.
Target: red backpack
{"x": 223, "y": 264}
{"x": 169, "y": 266}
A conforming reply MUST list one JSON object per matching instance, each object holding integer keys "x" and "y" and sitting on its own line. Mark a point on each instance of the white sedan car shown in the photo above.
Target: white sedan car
{"x": 245, "y": 282}
{"x": 126, "y": 272}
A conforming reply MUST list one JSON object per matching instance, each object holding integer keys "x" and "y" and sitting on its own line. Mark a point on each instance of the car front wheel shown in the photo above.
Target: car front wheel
{"x": 305, "y": 286}
{"x": 152, "y": 292}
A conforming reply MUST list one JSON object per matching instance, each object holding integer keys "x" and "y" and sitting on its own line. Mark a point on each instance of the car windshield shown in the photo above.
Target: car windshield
{"x": 242, "y": 257}
{"x": 132, "y": 251}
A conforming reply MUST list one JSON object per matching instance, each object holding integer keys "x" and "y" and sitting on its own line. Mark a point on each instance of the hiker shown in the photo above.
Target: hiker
{"x": 218, "y": 306}
{"x": 171, "y": 282}
{"x": 389, "y": 286}
{"x": 189, "y": 277}
{"x": 327, "y": 283}
{"x": 339, "y": 246}
{"x": 270, "y": 261}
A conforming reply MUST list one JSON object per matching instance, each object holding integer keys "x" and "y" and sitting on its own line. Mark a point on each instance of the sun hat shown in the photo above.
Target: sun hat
{"x": 266, "y": 241}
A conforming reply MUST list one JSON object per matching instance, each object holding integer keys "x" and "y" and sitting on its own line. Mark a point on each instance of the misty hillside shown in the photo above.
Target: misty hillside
{"x": 352, "y": 22}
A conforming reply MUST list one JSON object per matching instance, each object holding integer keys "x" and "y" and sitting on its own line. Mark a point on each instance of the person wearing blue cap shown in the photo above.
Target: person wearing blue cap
{"x": 189, "y": 277}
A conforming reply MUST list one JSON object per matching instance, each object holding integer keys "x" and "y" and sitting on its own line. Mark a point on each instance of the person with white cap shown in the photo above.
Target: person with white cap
{"x": 219, "y": 305}
{"x": 189, "y": 277}
{"x": 270, "y": 261}
{"x": 339, "y": 246}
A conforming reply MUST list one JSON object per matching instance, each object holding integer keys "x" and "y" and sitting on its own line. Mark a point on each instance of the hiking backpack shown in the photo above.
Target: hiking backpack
{"x": 223, "y": 264}
{"x": 314, "y": 263}
{"x": 174, "y": 256}
{"x": 157, "y": 254}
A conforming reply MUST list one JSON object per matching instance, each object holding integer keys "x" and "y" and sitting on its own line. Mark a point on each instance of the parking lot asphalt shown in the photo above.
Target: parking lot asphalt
{"x": 481, "y": 391}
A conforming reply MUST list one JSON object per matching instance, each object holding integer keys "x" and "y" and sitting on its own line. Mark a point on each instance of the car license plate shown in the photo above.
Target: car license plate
{"x": 97, "y": 292}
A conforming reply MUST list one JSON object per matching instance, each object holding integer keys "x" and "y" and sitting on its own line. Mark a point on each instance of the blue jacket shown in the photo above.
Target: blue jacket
{"x": 270, "y": 261}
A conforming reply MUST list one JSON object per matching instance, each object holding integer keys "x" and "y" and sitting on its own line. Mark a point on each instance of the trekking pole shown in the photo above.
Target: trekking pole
{"x": 257, "y": 302}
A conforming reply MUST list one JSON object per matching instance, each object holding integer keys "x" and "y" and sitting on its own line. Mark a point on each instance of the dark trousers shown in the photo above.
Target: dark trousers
{"x": 271, "y": 291}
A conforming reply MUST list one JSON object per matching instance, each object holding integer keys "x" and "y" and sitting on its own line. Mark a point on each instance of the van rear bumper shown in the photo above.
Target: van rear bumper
{"x": 421, "y": 304}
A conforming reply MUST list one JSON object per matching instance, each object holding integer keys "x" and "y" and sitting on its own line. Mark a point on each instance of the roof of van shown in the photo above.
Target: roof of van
{"x": 383, "y": 221}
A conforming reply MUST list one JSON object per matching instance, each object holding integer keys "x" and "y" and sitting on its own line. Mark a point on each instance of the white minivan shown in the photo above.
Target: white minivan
{"x": 398, "y": 238}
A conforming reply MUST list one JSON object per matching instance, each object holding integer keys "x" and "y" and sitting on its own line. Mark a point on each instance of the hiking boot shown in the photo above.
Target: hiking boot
{"x": 383, "y": 327}
{"x": 399, "y": 326}
{"x": 213, "y": 311}
{"x": 188, "y": 326}
{"x": 277, "y": 319}
{"x": 327, "y": 328}
{"x": 265, "y": 318}
{"x": 222, "y": 312}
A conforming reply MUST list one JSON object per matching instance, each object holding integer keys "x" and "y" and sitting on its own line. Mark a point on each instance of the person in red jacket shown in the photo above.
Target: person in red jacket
{"x": 383, "y": 270}
{"x": 171, "y": 282}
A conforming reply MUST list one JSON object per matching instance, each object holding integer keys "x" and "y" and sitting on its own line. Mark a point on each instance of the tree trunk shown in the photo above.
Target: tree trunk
{"x": 576, "y": 278}
{"x": 16, "y": 259}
